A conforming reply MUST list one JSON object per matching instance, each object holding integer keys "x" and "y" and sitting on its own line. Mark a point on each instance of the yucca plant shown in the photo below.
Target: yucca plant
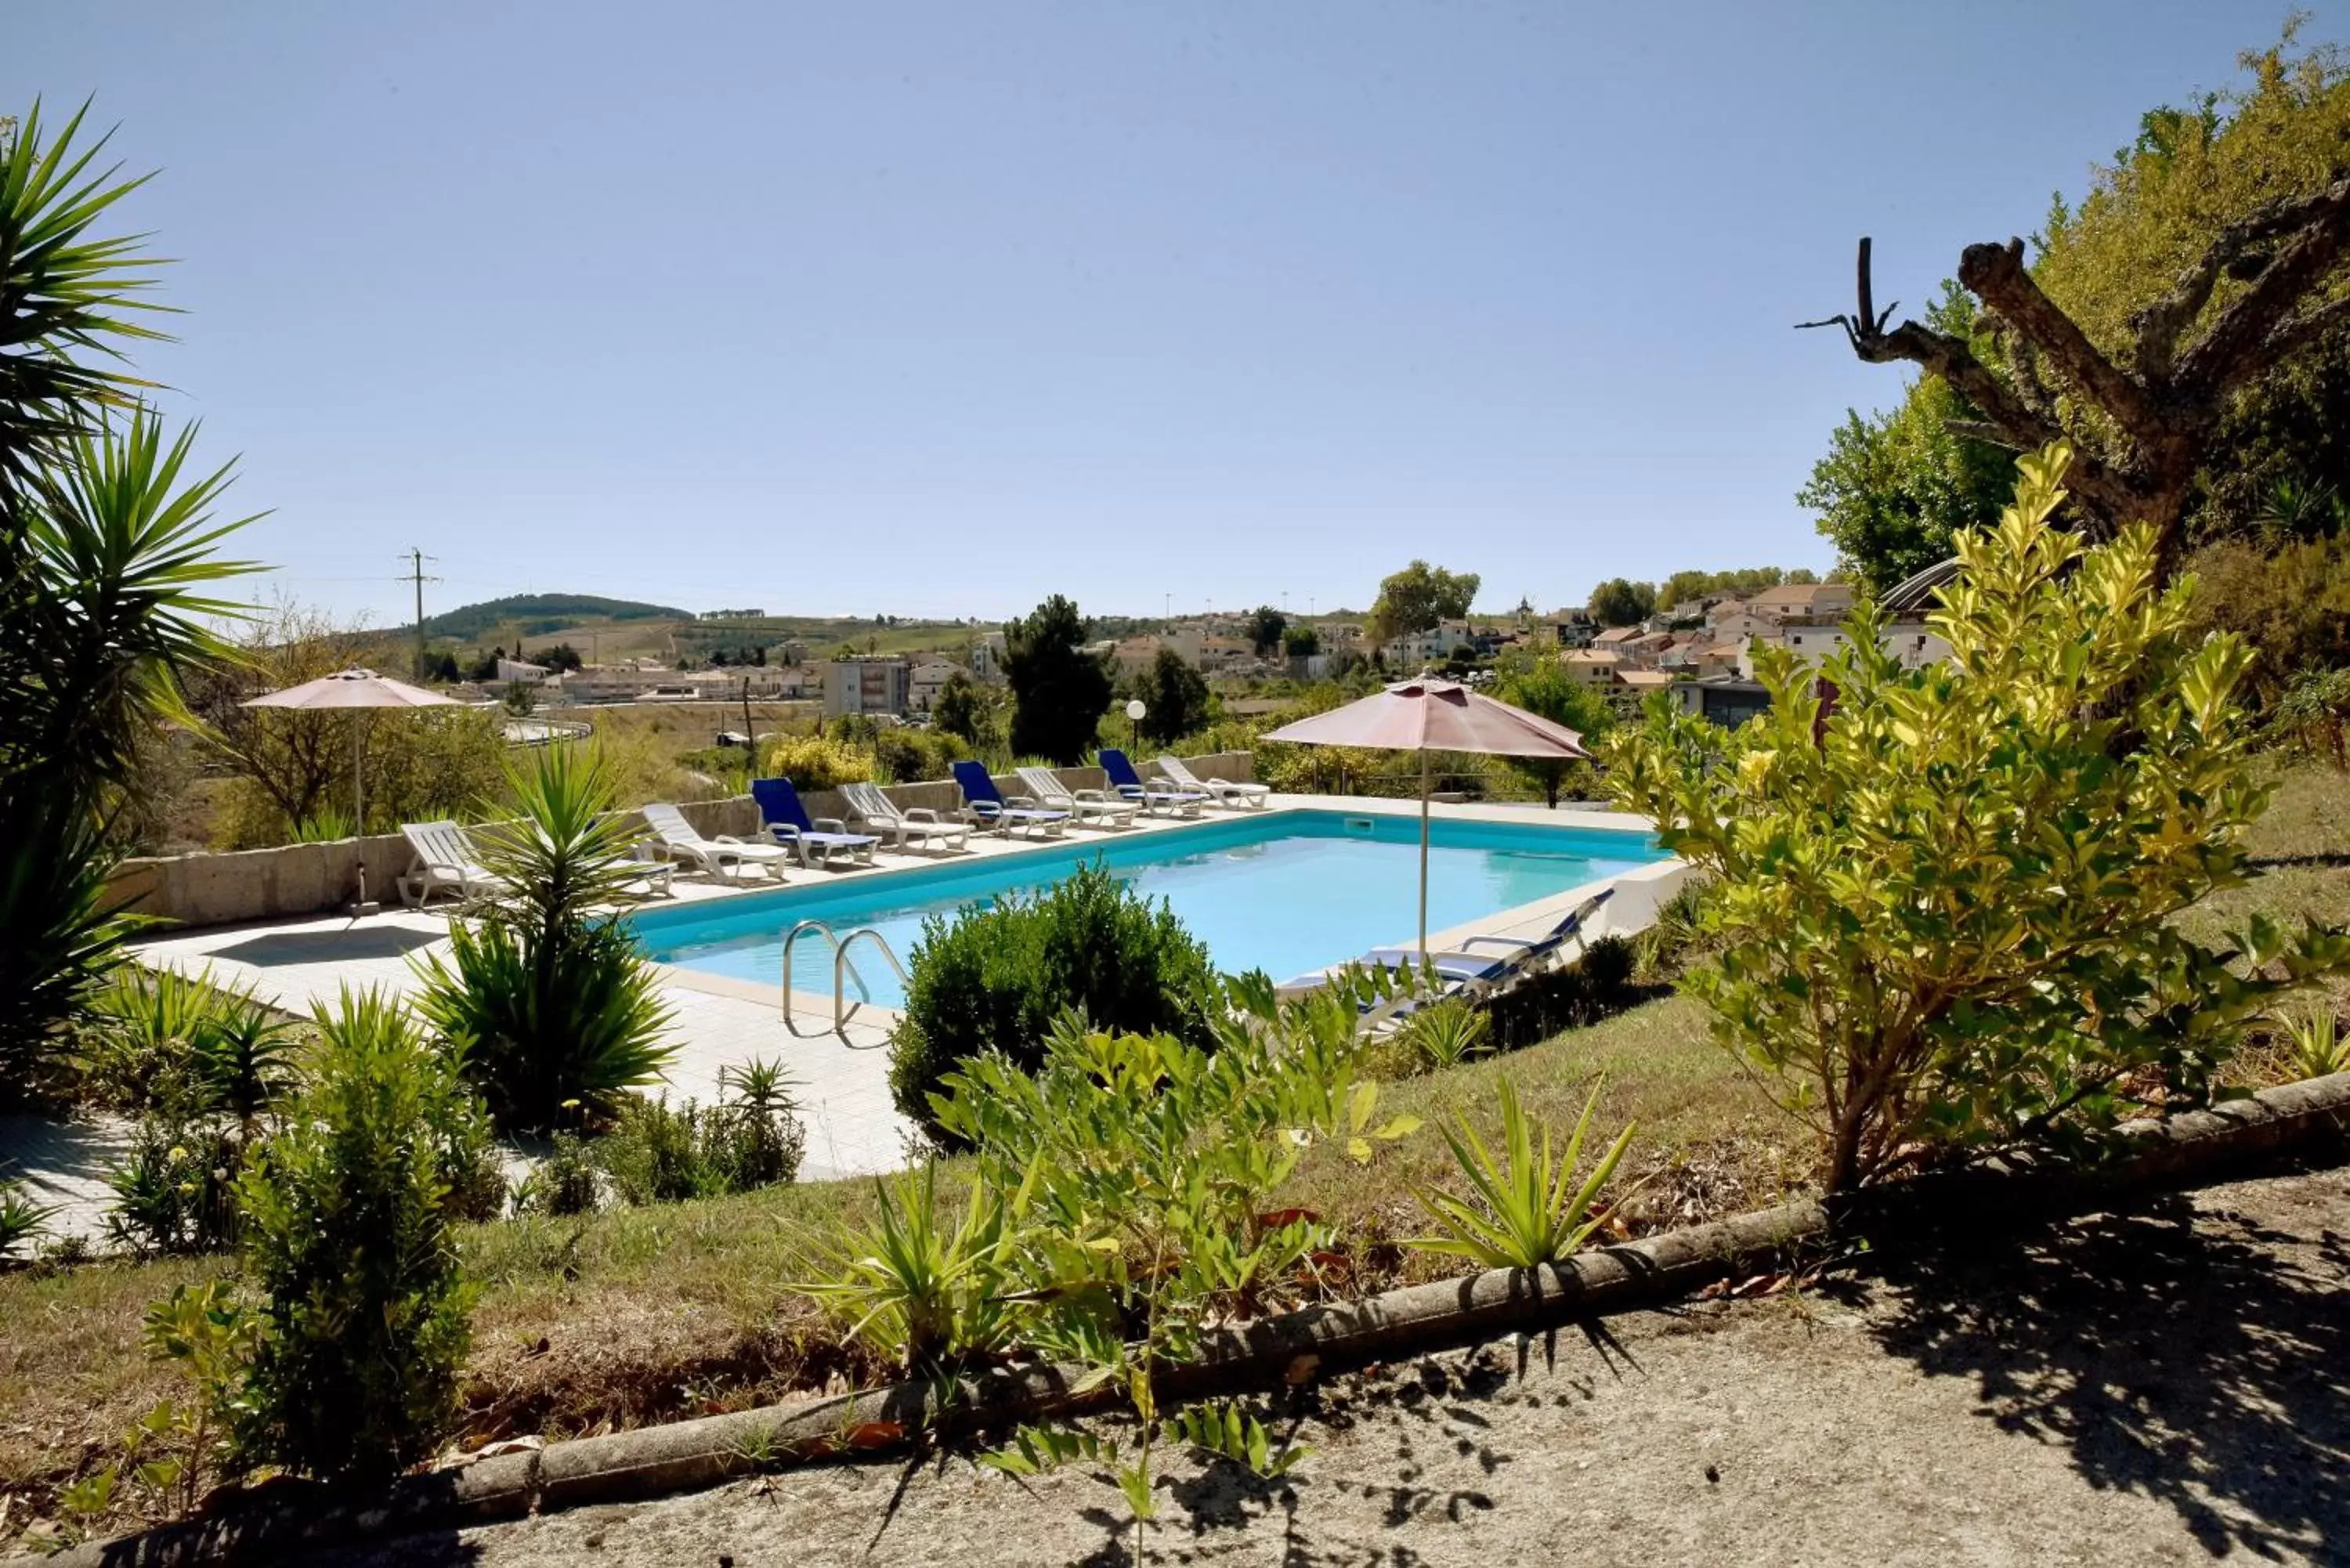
{"x": 242, "y": 1061}
{"x": 2313, "y": 1041}
{"x": 1527, "y": 1210}
{"x": 910, "y": 1285}
{"x": 1446, "y": 1034}
{"x": 559, "y": 1010}
{"x": 21, "y": 1219}
{"x": 106, "y": 554}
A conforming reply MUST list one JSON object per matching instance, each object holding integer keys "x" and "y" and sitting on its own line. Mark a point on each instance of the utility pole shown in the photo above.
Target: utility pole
{"x": 416, "y": 559}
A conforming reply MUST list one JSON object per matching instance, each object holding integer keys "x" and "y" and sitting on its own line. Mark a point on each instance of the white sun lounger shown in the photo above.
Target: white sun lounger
{"x": 683, "y": 842}
{"x": 1087, "y": 808}
{"x": 445, "y": 862}
{"x": 919, "y": 829}
{"x": 1227, "y": 792}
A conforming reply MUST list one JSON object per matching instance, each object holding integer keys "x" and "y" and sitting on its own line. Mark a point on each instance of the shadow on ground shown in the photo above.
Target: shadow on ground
{"x": 276, "y": 947}
{"x": 2201, "y": 1360}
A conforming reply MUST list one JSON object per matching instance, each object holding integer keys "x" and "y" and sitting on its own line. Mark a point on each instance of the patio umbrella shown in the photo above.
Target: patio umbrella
{"x": 354, "y": 688}
{"x": 1431, "y": 715}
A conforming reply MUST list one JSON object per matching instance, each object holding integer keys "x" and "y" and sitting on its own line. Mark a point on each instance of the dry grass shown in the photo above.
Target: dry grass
{"x": 639, "y": 1315}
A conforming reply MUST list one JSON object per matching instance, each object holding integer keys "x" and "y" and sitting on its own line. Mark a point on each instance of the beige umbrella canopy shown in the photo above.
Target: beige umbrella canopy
{"x": 1430, "y": 715}
{"x": 354, "y": 688}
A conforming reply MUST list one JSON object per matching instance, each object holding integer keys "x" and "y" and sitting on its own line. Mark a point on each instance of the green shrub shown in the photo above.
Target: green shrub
{"x": 908, "y": 756}
{"x": 1599, "y": 984}
{"x": 176, "y": 1192}
{"x": 567, "y": 1182}
{"x": 813, "y": 762}
{"x": 1945, "y": 907}
{"x": 557, "y": 1013}
{"x": 751, "y": 1138}
{"x": 994, "y": 977}
{"x": 364, "y": 1323}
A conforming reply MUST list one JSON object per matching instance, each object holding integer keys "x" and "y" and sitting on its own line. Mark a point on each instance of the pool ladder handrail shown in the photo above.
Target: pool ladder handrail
{"x": 842, "y": 969}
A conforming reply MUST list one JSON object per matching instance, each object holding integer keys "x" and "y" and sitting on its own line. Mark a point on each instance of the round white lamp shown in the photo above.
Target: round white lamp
{"x": 1134, "y": 713}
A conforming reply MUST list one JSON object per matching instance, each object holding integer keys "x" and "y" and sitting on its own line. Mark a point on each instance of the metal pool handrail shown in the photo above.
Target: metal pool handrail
{"x": 843, "y": 970}
{"x": 842, "y": 1014}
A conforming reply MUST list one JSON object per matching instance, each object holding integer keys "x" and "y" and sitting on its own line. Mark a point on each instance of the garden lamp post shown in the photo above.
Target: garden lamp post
{"x": 1134, "y": 713}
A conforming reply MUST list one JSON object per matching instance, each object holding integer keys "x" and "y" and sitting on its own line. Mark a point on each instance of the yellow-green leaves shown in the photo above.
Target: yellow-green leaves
{"x": 1944, "y": 907}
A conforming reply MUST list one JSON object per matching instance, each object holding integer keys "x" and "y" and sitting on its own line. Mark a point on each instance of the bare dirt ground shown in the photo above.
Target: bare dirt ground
{"x": 2161, "y": 1386}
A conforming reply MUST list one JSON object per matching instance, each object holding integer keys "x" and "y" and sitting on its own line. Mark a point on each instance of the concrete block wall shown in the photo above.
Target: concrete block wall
{"x": 295, "y": 880}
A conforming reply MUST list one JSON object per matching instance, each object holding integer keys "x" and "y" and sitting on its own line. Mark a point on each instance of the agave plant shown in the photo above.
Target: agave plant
{"x": 1527, "y": 1212}
{"x": 2315, "y": 1041}
{"x": 911, "y": 1285}
{"x": 557, "y": 1011}
{"x": 1447, "y": 1034}
{"x": 21, "y": 1219}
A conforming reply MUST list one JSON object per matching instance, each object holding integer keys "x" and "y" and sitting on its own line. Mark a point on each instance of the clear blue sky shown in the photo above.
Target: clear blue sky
{"x": 938, "y": 308}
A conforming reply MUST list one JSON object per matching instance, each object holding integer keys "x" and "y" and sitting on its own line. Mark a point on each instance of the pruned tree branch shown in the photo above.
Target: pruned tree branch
{"x": 2238, "y": 346}
{"x": 2157, "y": 326}
{"x": 1996, "y": 275}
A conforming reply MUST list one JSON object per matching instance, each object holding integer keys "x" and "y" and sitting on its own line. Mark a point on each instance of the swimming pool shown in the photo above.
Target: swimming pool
{"x": 1285, "y": 891}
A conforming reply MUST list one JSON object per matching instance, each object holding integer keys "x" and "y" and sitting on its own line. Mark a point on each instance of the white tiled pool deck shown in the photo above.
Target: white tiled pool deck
{"x": 843, "y": 1079}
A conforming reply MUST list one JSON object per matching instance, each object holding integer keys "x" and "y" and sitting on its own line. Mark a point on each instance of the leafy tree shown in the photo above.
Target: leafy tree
{"x": 1895, "y": 489}
{"x": 562, "y": 659}
{"x": 1059, "y": 691}
{"x": 1617, "y": 602}
{"x": 1174, "y": 698}
{"x": 958, "y": 710}
{"x": 1301, "y": 641}
{"x": 446, "y": 672}
{"x": 2178, "y": 319}
{"x": 108, "y": 555}
{"x": 1266, "y": 625}
{"x": 1418, "y": 597}
{"x": 1543, "y": 686}
{"x": 1946, "y": 904}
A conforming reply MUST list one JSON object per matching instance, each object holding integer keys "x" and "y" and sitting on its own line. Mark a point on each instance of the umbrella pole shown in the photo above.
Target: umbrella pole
{"x": 1423, "y": 855}
{"x": 358, "y": 793}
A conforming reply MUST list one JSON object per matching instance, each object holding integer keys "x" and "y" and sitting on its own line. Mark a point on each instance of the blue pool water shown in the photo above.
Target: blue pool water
{"x": 1285, "y": 893}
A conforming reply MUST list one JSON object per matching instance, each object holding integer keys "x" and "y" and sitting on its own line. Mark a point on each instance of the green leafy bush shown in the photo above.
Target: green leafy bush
{"x": 364, "y": 1323}
{"x": 567, "y": 1182}
{"x": 162, "y": 1040}
{"x": 176, "y": 1192}
{"x": 995, "y": 976}
{"x": 557, "y": 1012}
{"x": 1599, "y": 984}
{"x": 751, "y": 1138}
{"x": 1944, "y": 904}
{"x": 908, "y": 756}
{"x": 1124, "y": 1198}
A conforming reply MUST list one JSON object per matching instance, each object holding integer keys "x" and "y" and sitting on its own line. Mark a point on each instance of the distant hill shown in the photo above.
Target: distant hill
{"x": 535, "y": 615}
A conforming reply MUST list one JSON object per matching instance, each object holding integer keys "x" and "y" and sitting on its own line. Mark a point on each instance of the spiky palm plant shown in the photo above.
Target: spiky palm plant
{"x": 557, "y": 1009}
{"x": 106, "y": 559}
{"x": 1527, "y": 1209}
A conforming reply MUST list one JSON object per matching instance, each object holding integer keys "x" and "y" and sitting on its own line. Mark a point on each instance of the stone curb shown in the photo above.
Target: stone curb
{"x": 2306, "y": 1119}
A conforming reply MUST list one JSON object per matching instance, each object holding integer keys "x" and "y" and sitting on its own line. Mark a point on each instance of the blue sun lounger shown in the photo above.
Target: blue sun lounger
{"x": 786, "y": 821}
{"x": 1154, "y": 796}
{"x": 987, "y": 808}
